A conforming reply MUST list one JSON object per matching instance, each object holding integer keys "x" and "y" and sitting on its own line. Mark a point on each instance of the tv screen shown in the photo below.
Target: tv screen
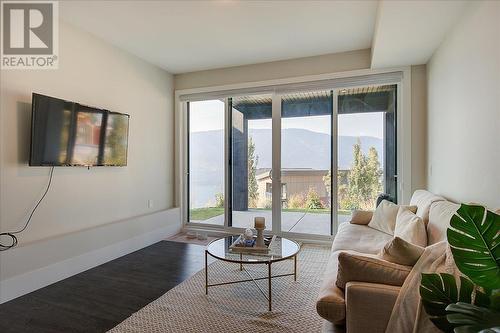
{"x": 65, "y": 133}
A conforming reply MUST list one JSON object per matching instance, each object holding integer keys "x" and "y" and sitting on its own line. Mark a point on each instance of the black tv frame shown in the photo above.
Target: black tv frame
{"x": 75, "y": 105}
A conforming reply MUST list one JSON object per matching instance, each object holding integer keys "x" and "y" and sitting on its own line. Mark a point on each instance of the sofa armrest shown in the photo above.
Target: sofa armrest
{"x": 369, "y": 306}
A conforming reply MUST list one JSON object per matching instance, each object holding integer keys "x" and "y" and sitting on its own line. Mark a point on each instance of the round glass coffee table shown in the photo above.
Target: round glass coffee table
{"x": 281, "y": 249}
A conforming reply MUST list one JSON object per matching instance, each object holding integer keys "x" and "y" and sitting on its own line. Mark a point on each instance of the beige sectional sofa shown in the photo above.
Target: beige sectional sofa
{"x": 366, "y": 307}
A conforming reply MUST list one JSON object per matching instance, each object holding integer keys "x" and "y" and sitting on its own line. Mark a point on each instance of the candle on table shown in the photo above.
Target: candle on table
{"x": 260, "y": 223}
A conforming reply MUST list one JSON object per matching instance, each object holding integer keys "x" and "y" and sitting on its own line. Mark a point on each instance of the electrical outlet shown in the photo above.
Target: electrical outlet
{"x": 150, "y": 203}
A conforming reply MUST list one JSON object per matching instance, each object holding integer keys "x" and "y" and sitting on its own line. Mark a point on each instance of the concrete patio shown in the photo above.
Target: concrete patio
{"x": 300, "y": 222}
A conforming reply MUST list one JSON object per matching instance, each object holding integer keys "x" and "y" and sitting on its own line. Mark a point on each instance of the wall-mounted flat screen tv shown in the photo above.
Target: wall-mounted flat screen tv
{"x": 66, "y": 133}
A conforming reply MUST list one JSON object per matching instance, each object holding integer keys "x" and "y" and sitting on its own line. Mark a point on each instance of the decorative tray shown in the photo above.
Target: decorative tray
{"x": 238, "y": 248}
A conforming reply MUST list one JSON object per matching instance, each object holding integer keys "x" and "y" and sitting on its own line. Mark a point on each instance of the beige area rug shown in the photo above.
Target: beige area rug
{"x": 238, "y": 307}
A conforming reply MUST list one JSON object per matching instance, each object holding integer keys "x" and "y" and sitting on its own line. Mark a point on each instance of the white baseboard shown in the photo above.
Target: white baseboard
{"x": 91, "y": 250}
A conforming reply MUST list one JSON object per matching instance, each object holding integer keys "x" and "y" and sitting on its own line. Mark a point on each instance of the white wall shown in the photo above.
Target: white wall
{"x": 464, "y": 109}
{"x": 94, "y": 73}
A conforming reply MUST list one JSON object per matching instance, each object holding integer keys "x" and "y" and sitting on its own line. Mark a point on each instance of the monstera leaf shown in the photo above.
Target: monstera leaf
{"x": 440, "y": 290}
{"x": 474, "y": 238}
{"x": 471, "y": 318}
{"x": 495, "y": 300}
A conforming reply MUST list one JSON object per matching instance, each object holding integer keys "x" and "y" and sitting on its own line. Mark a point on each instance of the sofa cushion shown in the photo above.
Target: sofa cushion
{"x": 360, "y": 238}
{"x": 401, "y": 252}
{"x": 384, "y": 217}
{"x": 410, "y": 227}
{"x": 423, "y": 200}
{"x": 369, "y": 268}
{"x": 439, "y": 220}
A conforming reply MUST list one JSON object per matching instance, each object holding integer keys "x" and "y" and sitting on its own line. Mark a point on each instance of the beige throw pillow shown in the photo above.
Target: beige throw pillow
{"x": 384, "y": 217}
{"x": 410, "y": 227}
{"x": 401, "y": 252}
{"x": 369, "y": 268}
{"x": 362, "y": 217}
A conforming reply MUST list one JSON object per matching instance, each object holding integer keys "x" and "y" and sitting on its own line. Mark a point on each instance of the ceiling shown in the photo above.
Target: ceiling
{"x": 187, "y": 36}
{"x": 408, "y": 32}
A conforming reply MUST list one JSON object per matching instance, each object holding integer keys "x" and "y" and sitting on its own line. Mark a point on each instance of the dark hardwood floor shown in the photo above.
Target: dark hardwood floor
{"x": 102, "y": 297}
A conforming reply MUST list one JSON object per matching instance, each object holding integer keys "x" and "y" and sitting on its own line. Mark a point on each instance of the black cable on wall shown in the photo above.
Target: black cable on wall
{"x": 12, "y": 234}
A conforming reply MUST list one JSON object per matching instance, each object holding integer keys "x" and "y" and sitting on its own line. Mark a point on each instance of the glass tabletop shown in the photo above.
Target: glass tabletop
{"x": 281, "y": 249}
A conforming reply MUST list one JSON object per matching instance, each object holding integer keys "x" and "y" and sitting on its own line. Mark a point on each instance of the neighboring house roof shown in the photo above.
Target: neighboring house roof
{"x": 265, "y": 172}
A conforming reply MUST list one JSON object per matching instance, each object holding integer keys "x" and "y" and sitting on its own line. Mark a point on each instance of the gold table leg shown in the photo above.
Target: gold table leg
{"x": 270, "y": 289}
{"x": 269, "y": 278}
{"x": 295, "y": 268}
{"x": 206, "y": 272}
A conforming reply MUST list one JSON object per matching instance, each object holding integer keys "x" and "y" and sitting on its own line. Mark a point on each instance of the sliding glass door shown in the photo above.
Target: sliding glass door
{"x": 206, "y": 163}
{"x": 303, "y": 160}
{"x": 306, "y": 161}
{"x": 366, "y": 147}
{"x": 251, "y": 160}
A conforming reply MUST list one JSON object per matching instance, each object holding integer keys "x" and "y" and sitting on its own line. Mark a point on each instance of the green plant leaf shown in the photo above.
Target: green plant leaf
{"x": 472, "y": 329}
{"x": 472, "y": 318}
{"x": 474, "y": 238}
{"x": 440, "y": 290}
{"x": 437, "y": 292}
{"x": 495, "y": 300}
{"x": 466, "y": 290}
{"x": 482, "y": 299}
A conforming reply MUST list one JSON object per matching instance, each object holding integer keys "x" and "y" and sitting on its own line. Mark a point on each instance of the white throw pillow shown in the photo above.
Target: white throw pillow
{"x": 384, "y": 217}
{"x": 410, "y": 227}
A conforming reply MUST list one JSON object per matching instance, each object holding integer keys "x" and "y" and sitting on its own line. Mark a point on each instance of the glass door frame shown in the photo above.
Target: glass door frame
{"x": 276, "y": 163}
{"x": 335, "y": 85}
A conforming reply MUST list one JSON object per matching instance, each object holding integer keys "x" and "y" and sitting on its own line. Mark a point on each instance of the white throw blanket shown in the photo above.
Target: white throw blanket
{"x": 408, "y": 314}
